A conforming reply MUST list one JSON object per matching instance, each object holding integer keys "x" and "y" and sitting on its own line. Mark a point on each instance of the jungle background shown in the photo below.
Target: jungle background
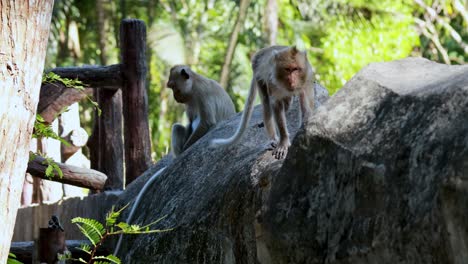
{"x": 218, "y": 37}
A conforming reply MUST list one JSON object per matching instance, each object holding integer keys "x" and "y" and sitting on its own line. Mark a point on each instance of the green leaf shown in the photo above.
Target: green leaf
{"x": 112, "y": 216}
{"x": 124, "y": 226}
{"x": 12, "y": 259}
{"x": 85, "y": 248}
{"x": 49, "y": 171}
{"x": 91, "y": 228}
{"x": 111, "y": 258}
{"x": 82, "y": 260}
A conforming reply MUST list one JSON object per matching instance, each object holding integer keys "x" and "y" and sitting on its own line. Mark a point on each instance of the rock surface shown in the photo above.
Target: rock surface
{"x": 378, "y": 175}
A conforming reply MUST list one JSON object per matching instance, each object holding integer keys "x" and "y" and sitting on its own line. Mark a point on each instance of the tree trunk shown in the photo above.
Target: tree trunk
{"x": 233, "y": 43}
{"x": 101, "y": 19}
{"x": 24, "y": 31}
{"x": 271, "y": 21}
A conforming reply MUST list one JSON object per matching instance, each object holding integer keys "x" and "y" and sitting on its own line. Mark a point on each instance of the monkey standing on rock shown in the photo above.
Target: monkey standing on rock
{"x": 206, "y": 102}
{"x": 279, "y": 73}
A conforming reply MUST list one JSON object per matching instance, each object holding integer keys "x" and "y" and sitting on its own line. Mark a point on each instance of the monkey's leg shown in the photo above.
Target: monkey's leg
{"x": 267, "y": 114}
{"x": 199, "y": 132}
{"x": 179, "y": 136}
{"x": 280, "y": 151}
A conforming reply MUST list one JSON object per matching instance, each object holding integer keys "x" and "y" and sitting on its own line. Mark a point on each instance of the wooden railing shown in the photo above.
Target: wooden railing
{"x": 120, "y": 134}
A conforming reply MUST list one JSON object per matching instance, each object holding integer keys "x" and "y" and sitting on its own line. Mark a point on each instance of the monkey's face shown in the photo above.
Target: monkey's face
{"x": 180, "y": 81}
{"x": 291, "y": 69}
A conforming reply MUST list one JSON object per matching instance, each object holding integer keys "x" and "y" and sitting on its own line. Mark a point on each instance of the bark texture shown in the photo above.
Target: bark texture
{"x": 24, "y": 31}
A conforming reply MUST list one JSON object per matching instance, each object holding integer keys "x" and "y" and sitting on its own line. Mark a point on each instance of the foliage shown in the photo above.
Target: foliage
{"x": 341, "y": 37}
{"x": 12, "y": 259}
{"x": 43, "y": 129}
{"x": 443, "y": 30}
{"x": 96, "y": 233}
{"x": 52, "y": 78}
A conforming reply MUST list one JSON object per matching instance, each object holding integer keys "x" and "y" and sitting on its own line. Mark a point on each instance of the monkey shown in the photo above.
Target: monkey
{"x": 279, "y": 73}
{"x": 206, "y": 104}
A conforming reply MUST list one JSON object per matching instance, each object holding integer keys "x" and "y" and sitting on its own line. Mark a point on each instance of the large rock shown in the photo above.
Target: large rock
{"x": 378, "y": 175}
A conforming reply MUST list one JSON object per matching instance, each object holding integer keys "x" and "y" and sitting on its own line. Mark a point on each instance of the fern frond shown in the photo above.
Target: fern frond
{"x": 112, "y": 216}
{"x": 153, "y": 223}
{"x": 111, "y": 258}
{"x": 85, "y": 248}
{"x": 82, "y": 260}
{"x": 124, "y": 226}
{"x": 91, "y": 228}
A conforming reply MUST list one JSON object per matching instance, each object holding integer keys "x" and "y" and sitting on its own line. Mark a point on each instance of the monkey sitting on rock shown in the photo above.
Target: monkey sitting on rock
{"x": 206, "y": 104}
{"x": 279, "y": 73}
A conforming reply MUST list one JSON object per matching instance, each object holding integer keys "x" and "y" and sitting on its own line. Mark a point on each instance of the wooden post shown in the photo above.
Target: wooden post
{"x": 135, "y": 100}
{"x": 111, "y": 149}
{"x": 93, "y": 140}
{"x": 51, "y": 242}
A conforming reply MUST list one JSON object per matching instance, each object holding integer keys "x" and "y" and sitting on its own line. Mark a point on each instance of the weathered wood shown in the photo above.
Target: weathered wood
{"x": 135, "y": 100}
{"x": 23, "y": 250}
{"x": 55, "y": 97}
{"x": 93, "y": 140}
{"x": 111, "y": 152}
{"x": 104, "y": 77}
{"x": 77, "y": 139}
{"x": 73, "y": 175}
{"x": 24, "y": 31}
{"x": 51, "y": 242}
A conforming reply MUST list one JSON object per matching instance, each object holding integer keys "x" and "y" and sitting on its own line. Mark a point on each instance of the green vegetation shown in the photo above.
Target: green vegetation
{"x": 96, "y": 233}
{"x": 52, "y": 78}
{"x": 44, "y": 130}
{"x": 340, "y": 36}
{"x": 12, "y": 259}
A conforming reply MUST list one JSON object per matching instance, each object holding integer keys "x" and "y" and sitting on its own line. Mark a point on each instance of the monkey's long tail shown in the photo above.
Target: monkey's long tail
{"x": 244, "y": 121}
{"x": 135, "y": 205}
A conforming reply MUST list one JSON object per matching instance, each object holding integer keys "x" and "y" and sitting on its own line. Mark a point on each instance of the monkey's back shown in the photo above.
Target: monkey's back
{"x": 214, "y": 99}
{"x": 224, "y": 105}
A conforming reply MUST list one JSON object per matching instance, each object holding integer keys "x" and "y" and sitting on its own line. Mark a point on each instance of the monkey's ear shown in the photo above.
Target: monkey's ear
{"x": 184, "y": 74}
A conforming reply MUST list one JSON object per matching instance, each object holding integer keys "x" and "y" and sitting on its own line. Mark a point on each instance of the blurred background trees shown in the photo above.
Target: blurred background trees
{"x": 217, "y": 38}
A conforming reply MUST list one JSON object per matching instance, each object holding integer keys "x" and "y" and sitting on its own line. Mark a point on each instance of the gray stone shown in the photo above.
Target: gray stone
{"x": 378, "y": 175}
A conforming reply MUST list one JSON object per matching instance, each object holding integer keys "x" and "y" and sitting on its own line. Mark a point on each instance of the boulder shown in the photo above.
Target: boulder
{"x": 377, "y": 175}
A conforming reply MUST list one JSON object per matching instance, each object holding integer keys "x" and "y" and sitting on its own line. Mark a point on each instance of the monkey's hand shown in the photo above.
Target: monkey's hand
{"x": 281, "y": 150}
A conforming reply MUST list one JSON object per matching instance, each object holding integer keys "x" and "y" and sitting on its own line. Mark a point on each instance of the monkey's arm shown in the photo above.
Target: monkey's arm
{"x": 199, "y": 132}
{"x": 206, "y": 120}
